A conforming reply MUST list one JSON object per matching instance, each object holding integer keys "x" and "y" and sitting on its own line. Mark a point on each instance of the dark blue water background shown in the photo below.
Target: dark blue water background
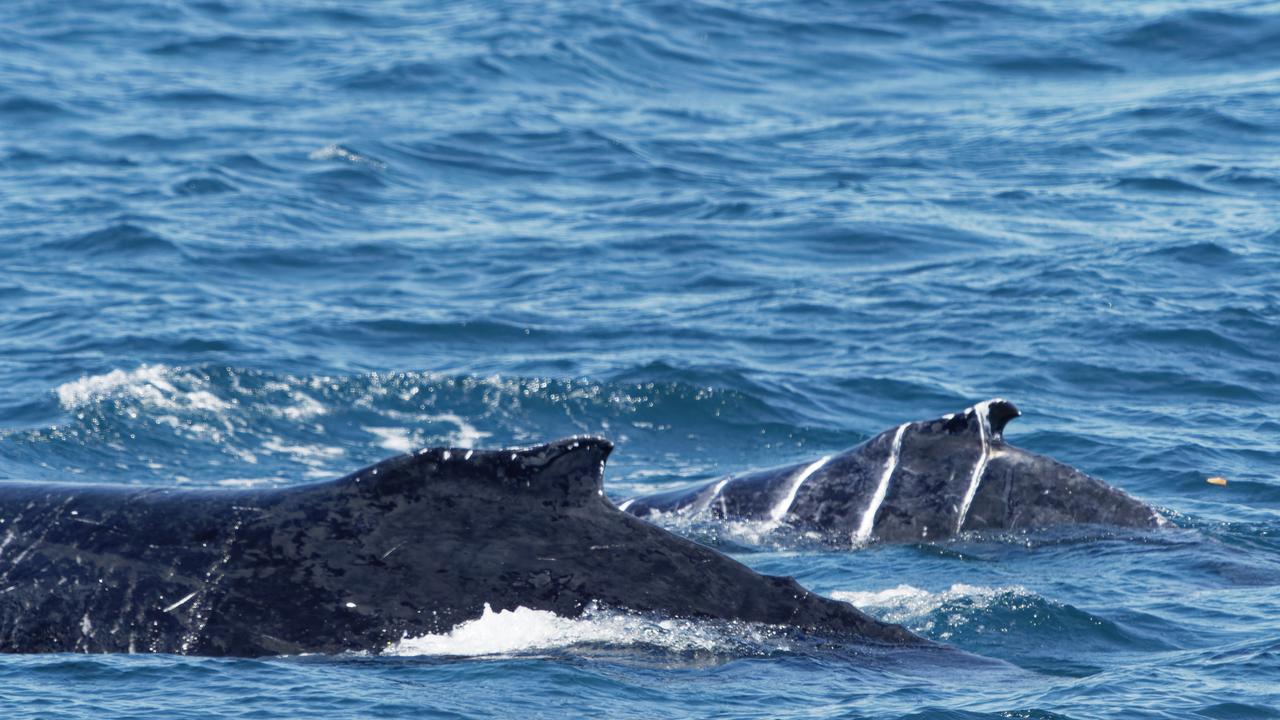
{"x": 259, "y": 243}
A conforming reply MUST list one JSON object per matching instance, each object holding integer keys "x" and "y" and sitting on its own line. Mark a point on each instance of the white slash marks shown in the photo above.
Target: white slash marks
{"x": 981, "y": 411}
{"x": 863, "y": 533}
{"x": 181, "y": 602}
{"x": 779, "y": 511}
{"x": 718, "y": 494}
{"x": 626, "y": 504}
{"x": 200, "y": 611}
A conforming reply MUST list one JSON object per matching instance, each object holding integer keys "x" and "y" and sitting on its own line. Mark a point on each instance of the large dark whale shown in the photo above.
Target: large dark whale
{"x": 413, "y": 545}
{"x": 919, "y": 481}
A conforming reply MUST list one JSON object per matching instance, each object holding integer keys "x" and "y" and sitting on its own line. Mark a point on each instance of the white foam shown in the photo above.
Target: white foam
{"x": 757, "y": 532}
{"x": 466, "y": 436}
{"x": 981, "y": 411}
{"x": 151, "y": 385}
{"x": 242, "y": 454}
{"x": 205, "y": 400}
{"x": 250, "y": 482}
{"x": 313, "y": 455}
{"x": 523, "y": 630}
{"x": 912, "y": 606}
{"x": 338, "y": 152}
{"x": 779, "y": 511}
{"x": 146, "y": 382}
{"x": 392, "y": 438}
{"x": 206, "y": 431}
{"x": 863, "y": 534}
{"x": 305, "y": 408}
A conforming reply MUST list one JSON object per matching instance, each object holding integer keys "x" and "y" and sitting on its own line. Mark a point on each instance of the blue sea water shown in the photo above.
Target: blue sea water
{"x": 256, "y": 243}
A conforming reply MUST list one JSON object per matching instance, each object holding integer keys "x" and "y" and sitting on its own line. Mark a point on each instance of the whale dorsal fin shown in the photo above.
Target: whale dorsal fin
{"x": 999, "y": 413}
{"x": 572, "y": 466}
{"x": 569, "y": 470}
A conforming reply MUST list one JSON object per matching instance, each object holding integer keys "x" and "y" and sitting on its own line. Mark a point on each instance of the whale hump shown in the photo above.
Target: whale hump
{"x": 572, "y": 467}
{"x": 569, "y": 471}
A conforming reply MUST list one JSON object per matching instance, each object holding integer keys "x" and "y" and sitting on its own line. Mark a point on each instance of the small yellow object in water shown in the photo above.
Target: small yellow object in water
{"x": 1217, "y": 480}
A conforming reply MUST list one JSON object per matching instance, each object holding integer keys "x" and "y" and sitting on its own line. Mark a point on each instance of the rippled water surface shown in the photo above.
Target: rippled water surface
{"x": 261, "y": 243}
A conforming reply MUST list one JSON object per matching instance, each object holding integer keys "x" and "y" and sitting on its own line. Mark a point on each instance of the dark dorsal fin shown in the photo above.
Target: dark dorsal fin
{"x": 999, "y": 413}
{"x": 569, "y": 470}
{"x": 574, "y": 465}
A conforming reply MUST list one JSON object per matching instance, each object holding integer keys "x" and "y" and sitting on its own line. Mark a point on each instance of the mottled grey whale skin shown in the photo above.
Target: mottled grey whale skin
{"x": 412, "y": 545}
{"x": 925, "y": 480}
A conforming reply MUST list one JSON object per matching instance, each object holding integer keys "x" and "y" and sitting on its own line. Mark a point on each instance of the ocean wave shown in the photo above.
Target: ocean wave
{"x": 1251, "y": 180}
{"x": 978, "y": 616}
{"x": 1205, "y": 252}
{"x": 148, "y": 383}
{"x": 346, "y": 154}
{"x": 127, "y": 423}
{"x": 204, "y": 97}
{"x": 1049, "y": 65}
{"x": 918, "y": 608}
{"x": 417, "y": 76}
{"x": 121, "y": 239}
{"x": 229, "y": 46}
{"x": 1159, "y": 185}
{"x": 1207, "y": 35}
{"x": 523, "y": 631}
{"x": 203, "y": 186}
{"x": 23, "y": 105}
{"x": 1185, "y": 114}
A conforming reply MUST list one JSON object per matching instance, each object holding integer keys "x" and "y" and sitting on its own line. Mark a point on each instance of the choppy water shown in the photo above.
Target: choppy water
{"x": 255, "y": 243}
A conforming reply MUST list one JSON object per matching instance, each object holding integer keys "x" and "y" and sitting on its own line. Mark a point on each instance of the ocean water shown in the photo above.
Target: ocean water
{"x": 259, "y": 243}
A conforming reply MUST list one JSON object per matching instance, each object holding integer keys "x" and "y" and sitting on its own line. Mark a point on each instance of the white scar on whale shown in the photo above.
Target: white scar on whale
{"x": 779, "y": 511}
{"x": 982, "y": 410}
{"x": 715, "y": 494}
{"x": 863, "y": 533}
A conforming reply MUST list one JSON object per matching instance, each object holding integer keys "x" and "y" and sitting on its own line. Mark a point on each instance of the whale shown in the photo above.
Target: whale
{"x": 920, "y": 481}
{"x": 413, "y": 545}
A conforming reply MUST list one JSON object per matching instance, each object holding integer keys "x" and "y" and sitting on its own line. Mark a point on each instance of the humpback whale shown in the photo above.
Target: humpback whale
{"x": 919, "y": 481}
{"x": 413, "y": 545}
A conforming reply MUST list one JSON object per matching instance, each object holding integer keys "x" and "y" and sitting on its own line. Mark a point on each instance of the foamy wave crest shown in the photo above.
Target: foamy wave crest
{"x": 403, "y": 440}
{"x": 523, "y": 631}
{"x": 254, "y": 420}
{"x": 339, "y": 152}
{"x": 396, "y": 439}
{"x": 466, "y": 436}
{"x": 146, "y": 422}
{"x": 945, "y": 610}
{"x": 149, "y": 384}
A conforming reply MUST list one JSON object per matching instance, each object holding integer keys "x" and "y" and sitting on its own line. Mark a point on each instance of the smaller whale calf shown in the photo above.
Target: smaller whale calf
{"x": 920, "y": 481}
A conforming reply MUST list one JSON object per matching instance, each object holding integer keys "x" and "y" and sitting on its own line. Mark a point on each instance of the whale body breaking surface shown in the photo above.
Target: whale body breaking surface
{"x": 409, "y": 547}
{"x": 421, "y": 544}
{"x": 920, "y": 481}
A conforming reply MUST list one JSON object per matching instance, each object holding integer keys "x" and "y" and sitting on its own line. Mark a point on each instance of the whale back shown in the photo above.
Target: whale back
{"x": 940, "y": 464}
{"x": 536, "y": 530}
{"x": 412, "y": 545}
{"x": 920, "y": 481}
{"x": 1024, "y": 490}
{"x": 957, "y": 473}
